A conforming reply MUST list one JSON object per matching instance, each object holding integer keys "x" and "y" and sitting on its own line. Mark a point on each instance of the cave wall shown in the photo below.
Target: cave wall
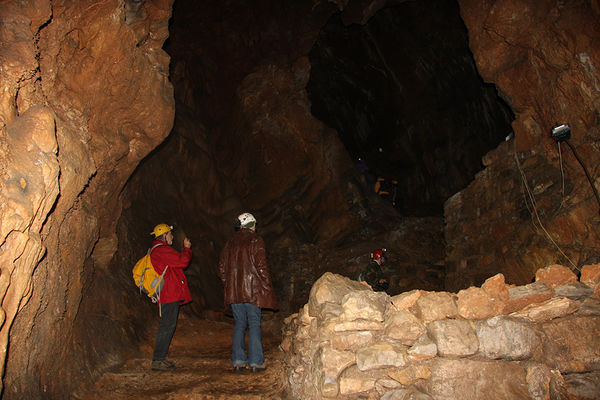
{"x": 244, "y": 139}
{"x": 533, "y": 204}
{"x": 85, "y": 96}
{"x": 404, "y": 94}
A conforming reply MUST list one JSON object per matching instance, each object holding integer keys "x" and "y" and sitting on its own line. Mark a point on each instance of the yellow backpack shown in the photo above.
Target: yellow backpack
{"x": 146, "y": 277}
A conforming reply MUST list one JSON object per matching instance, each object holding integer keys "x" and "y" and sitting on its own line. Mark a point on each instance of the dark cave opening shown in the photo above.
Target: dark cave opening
{"x": 404, "y": 94}
{"x": 401, "y": 91}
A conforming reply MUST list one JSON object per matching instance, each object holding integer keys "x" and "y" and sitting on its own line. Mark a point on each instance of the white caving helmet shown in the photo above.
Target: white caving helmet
{"x": 247, "y": 220}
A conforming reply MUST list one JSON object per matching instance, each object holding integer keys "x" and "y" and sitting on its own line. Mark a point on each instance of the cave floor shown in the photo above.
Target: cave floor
{"x": 201, "y": 351}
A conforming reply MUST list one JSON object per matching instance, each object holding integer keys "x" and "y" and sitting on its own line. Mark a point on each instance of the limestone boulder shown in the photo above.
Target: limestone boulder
{"x": 546, "y": 383}
{"x": 353, "y": 381}
{"x": 590, "y": 275}
{"x": 331, "y": 288}
{"x": 380, "y": 355}
{"x": 404, "y": 327}
{"x": 474, "y": 380}
{"x": 350, "y": 326}
{"x": 574, "y": 291}
{"x": 496, "y": 287}
{"x": 434, "y": 306}
{"x": 364, "y": 304}
{"x": 332, "y": 362}
{"x": 522, "y": 296}
{"x": 506, "y": 338}
{"x": 351, "y": 340}
{"x": 454, "y": 337}
{"x": 590, "y": 306}
{"x": 571, "y": 344}
{"x": 423, "y": 348}
{"x": 583, "y": 386}
{"x": 555, "y": 275}
{"x": 406, "y": 300}
{"x": 547, "y": 349}
{"x": 550, "y": 309}
{"x": 411, "y": 374}
{"x": 406, "y": 394}
{"x": 476, "y": 303}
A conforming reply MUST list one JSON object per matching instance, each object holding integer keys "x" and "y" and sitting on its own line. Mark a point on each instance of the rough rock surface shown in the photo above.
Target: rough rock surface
{"x": 85, "y": 96}
{"x": 532, "y": 191}
{"x": 552, "y": 353}
{"x": 407, "y": 101}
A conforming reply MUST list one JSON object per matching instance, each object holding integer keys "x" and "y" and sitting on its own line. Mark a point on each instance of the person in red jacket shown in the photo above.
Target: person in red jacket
{"x": 247, "y": 283}
{"x": 175, "y": 292}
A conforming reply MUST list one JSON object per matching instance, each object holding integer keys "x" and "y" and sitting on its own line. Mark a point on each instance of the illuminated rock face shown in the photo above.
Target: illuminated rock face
{"x": 87, "y": 94}
{"x": 439, "y": 345}
{"x": 533, "y": 204}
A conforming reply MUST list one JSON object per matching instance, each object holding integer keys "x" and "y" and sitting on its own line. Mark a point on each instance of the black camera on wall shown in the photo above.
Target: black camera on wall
{"x": 561, "y": 132}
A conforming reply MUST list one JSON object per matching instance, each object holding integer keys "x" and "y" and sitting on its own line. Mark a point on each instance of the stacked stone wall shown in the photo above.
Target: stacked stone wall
{"x": 498, "y": 341}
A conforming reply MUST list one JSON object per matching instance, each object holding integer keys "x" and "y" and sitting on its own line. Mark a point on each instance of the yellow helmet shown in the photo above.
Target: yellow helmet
{"x": 161, "y": 229}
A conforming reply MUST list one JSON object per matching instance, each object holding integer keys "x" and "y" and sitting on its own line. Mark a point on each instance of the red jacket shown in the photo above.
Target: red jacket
{"x": 244, "y": 273}
{"x": 175, "y": 287}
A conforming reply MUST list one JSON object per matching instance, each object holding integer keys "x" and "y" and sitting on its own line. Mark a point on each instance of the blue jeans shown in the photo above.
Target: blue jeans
{"x": 247, "y": 315}
{"x": 166, "y": 329}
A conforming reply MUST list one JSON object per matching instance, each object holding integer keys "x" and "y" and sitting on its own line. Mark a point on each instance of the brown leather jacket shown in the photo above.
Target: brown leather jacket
{"x": 244, "y": 272}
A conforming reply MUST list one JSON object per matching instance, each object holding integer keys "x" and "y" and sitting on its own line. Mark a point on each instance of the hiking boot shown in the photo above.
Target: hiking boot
{"x": 258, "y": 368}
{"x": 162, "y": 365}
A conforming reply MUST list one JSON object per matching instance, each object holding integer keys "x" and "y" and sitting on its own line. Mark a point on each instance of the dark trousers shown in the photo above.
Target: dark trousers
{"x": 166, "y": 329}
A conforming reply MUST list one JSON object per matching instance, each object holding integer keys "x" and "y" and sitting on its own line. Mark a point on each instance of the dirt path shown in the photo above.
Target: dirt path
{"x": 201, "y": 350}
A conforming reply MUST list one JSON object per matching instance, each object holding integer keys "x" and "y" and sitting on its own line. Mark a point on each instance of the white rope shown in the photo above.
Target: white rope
{"x": 532, "y": 199}
{"x": 156, "y": 297}
{"x": 159, "y": 289}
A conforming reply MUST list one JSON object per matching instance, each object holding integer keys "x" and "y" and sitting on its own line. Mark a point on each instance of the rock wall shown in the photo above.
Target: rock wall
{"x": 244, "y": 138}
{"x": 428, "y": 119}
{"x": 498, "y": 341}
{"x": 84, "y": 97}
{"x": 533, "y": 204}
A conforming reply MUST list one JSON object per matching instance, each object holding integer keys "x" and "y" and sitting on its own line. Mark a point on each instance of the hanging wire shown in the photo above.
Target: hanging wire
{"x": 562, "y": 175}
{"x": 532, "y": 199}
{"x": 587, "y": 173}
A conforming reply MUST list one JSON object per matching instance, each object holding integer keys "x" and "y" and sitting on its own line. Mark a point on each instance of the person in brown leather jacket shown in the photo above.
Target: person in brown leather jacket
{"x": 247, "y": 282}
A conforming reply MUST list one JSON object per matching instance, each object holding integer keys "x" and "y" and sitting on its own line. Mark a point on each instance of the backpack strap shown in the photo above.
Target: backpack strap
{"x": 153, "y": 247}
{"x": 158, "y": 294}
{"x": 157, "y": 299}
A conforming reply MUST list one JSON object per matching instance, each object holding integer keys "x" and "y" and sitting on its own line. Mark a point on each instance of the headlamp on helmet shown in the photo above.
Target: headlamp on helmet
{"x": 377, "y": 254}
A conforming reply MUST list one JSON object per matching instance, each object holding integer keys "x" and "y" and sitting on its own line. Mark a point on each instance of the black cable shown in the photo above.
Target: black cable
{"x": 586, "y": 173}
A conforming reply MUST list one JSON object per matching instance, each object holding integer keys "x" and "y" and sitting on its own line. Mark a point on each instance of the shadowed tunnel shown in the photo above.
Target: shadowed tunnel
{"x": 119, "y": 115}
{"x": 401, "y": 92}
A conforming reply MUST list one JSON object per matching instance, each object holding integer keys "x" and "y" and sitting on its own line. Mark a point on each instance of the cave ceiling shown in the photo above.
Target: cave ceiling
{"x": 401, "y": 89}
{"x": 275, "y": 102}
